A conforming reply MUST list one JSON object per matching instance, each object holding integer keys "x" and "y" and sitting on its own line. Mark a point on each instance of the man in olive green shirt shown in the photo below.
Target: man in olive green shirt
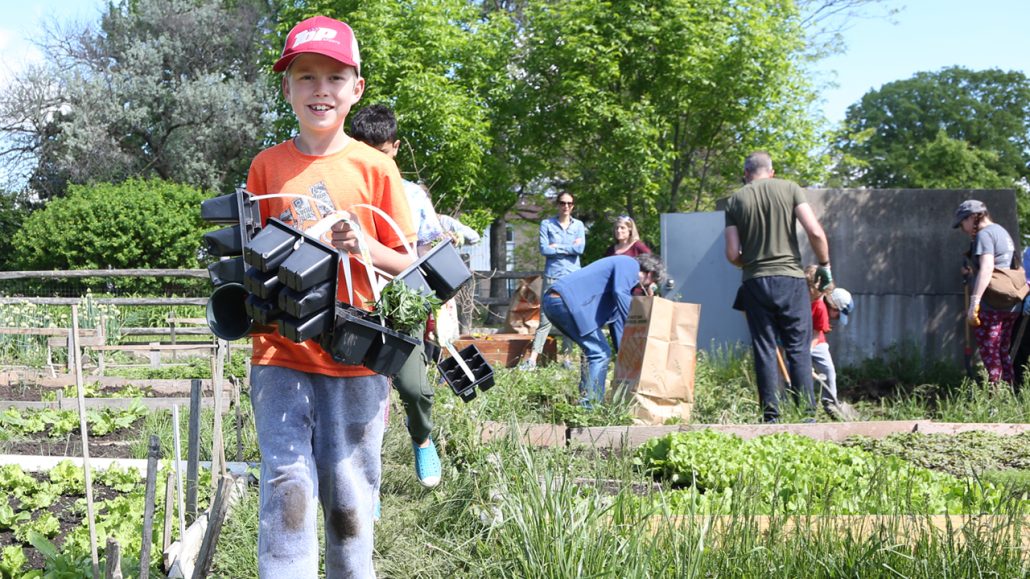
{"x": 761, "y": 238}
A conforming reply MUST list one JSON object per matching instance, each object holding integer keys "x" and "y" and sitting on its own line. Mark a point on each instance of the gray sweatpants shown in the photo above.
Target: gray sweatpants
{"x": 319, "y": 437}
{"x": 823, "y": 364}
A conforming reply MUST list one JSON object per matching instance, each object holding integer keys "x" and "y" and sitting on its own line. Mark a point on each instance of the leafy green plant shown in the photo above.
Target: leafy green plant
{"x": 12, "y": 561}
{"x": 404, "y": 308}
{"x": 797, "y": 475}
{"x": 9, "y": 518}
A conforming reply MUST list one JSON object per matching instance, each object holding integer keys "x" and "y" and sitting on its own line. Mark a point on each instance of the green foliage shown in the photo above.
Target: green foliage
{"x": 59, "y": 423}
{"x": 403, "y": 307}
{"x": 794, "y": 474}
{"x": 954, "y": 128}
{"x": 166, "y": 89}
{"x": 650, "y": 107}
{"x": 135, "y": 224}
{"x": 12, "y": 561}
{"x": 11, "y": 216}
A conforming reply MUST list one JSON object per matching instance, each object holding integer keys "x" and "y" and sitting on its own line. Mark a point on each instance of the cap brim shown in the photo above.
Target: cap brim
{"x": 843, "y": 318}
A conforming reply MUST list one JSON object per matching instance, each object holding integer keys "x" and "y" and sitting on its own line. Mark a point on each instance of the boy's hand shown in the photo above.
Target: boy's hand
{"x": 823, "y": 276}
{"x": 345, "y": 237}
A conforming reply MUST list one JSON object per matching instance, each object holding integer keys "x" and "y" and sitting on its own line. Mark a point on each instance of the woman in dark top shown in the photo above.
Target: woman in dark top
{"x": 627, "y": 240}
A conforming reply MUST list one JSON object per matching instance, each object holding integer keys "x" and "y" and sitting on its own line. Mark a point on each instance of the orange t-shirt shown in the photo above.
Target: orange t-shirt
{"x": 356, "y": 174}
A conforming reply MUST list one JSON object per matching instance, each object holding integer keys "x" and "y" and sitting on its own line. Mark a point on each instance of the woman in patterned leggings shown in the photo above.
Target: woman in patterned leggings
{"x": 991, "y": 248}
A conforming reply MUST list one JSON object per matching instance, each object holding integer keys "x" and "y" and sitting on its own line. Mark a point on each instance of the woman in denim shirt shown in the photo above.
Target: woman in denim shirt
{"x": 562, "y": 240}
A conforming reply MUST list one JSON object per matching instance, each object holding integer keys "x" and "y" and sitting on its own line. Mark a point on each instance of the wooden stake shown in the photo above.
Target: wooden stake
{"x": 166, "y": 535}
{"x": 217, "y": 443}
{"x": 113, "y": 567}
{"x": 178, "y": 471}
{"x": 193, "y": 448}
{"x": 239, "y": 419}
{"x": 219, "y": 508}
{"x": 73, "y": 352}
{"x": 149, "y": 506}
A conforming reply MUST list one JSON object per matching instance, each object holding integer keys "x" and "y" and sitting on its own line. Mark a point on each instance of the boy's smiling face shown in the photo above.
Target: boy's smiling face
{"x": 321, "y": 92}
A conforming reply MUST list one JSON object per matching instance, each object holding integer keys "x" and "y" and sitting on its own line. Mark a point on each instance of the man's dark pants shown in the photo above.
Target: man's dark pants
{"x": 779, "y": 308}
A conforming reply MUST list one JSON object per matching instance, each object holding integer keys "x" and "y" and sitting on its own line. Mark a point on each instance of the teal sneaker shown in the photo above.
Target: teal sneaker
{"x": 427, "y": 464}
{"x": 377, "y": 511}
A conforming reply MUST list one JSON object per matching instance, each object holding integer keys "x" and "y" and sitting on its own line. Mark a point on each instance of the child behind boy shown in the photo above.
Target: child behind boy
{"x": 828, "y": 303}
{"x": 320, "y": 423}
{"x": 376, "y": 126}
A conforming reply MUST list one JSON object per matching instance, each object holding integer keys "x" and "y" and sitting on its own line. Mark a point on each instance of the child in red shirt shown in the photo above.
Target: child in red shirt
{"x": 829, "y": 303}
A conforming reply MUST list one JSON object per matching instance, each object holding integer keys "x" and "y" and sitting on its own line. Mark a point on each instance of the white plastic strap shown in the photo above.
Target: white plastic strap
{"x": 457, "y": 358}
{"x": 393, "y": 224}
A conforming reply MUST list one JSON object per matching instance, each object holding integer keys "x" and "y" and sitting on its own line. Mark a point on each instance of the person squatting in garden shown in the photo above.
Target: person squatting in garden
{"x": 320, "y": 423}
{"x": 562, "y": 241}
{"x": 376, "y": 126}
{"x": 829, "y": 303}
{"x": 583, "y": 302}
{"x": 991, "y": 247}
{"x": 627, "y": 239}
{"x": 761, "y": 239}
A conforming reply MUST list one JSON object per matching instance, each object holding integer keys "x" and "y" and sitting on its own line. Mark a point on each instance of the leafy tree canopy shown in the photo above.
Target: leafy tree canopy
{"x": 951, "y": 128}
{"x": 167, "y": 89}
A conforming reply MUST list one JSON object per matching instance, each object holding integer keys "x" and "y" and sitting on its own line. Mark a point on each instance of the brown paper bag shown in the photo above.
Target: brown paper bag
{"x": 657, "y": 357}
{"x": 524, "y": 309}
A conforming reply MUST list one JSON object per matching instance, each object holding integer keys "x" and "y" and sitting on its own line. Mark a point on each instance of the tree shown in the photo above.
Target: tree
{"x": 133, "y": 224}
{"x": 951, "y": 128}
{"x": 11, "y": 216}
{"x": 650, "y": 106}
{"x": 170, "y": 89}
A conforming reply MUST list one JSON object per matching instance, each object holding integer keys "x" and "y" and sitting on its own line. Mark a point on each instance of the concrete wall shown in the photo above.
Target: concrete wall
{"x": 894, "y": 250}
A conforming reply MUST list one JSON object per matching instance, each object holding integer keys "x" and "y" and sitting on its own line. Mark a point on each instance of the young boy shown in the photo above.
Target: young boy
{"x": 320, "y": 423}
{"x": 376, "y": 126}
{"x": 835, "y": 304}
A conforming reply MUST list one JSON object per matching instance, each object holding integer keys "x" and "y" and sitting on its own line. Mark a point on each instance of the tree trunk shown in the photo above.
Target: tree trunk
{"x": 498, "y": 262}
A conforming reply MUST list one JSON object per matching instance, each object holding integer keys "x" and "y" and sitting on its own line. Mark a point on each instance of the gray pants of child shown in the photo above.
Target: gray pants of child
{"x": 320, "y": 438}
{"x": 823, "y": 364}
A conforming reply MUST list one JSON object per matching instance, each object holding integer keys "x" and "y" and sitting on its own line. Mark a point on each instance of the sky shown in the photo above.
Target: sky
{"x": 925, "y": 35}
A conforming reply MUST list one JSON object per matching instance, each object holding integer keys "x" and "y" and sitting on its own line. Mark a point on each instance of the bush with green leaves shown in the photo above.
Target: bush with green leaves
{"x": 137, "y": 224}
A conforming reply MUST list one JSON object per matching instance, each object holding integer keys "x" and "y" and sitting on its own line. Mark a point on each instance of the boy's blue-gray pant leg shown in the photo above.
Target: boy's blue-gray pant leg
{"x": 319, "y": 437}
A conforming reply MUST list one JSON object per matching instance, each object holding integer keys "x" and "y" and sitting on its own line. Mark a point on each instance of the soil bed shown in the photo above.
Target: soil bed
{"x": 69, "y": 517}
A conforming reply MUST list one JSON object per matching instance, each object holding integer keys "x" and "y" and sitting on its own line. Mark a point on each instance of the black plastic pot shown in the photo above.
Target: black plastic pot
{"x": 312, "y": 263}
{"x": 413, "y": 278}
{"x": 226, "y": 313}
{"x": 301, "y": 304}
{"x": 271, "y": 246}
{"x": 300, "y": 329}
{"x": 264, "y": 312}
{"x": 388, "y": 354}
{"x": 457, "y": 379}
{"x": 353, "y": 335}
{"x": 226, "y": 271}
{"x": 444, "y": 270}
{"x": 263, "y": 284}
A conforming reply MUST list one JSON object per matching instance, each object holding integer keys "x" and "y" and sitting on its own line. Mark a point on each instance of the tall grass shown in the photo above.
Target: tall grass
{"x": 505, "y": 510}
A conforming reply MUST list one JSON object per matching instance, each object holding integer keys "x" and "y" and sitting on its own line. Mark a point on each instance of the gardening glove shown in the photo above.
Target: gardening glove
{"x": 823, "y": 276}
{"x": 973, "y": 316}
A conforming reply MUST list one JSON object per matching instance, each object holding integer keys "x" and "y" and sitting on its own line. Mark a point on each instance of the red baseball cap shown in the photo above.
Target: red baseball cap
{"x": 321, "y": 35}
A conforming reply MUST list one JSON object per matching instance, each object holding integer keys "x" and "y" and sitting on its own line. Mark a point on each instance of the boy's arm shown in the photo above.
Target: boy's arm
{"x": 391, "y": 260}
